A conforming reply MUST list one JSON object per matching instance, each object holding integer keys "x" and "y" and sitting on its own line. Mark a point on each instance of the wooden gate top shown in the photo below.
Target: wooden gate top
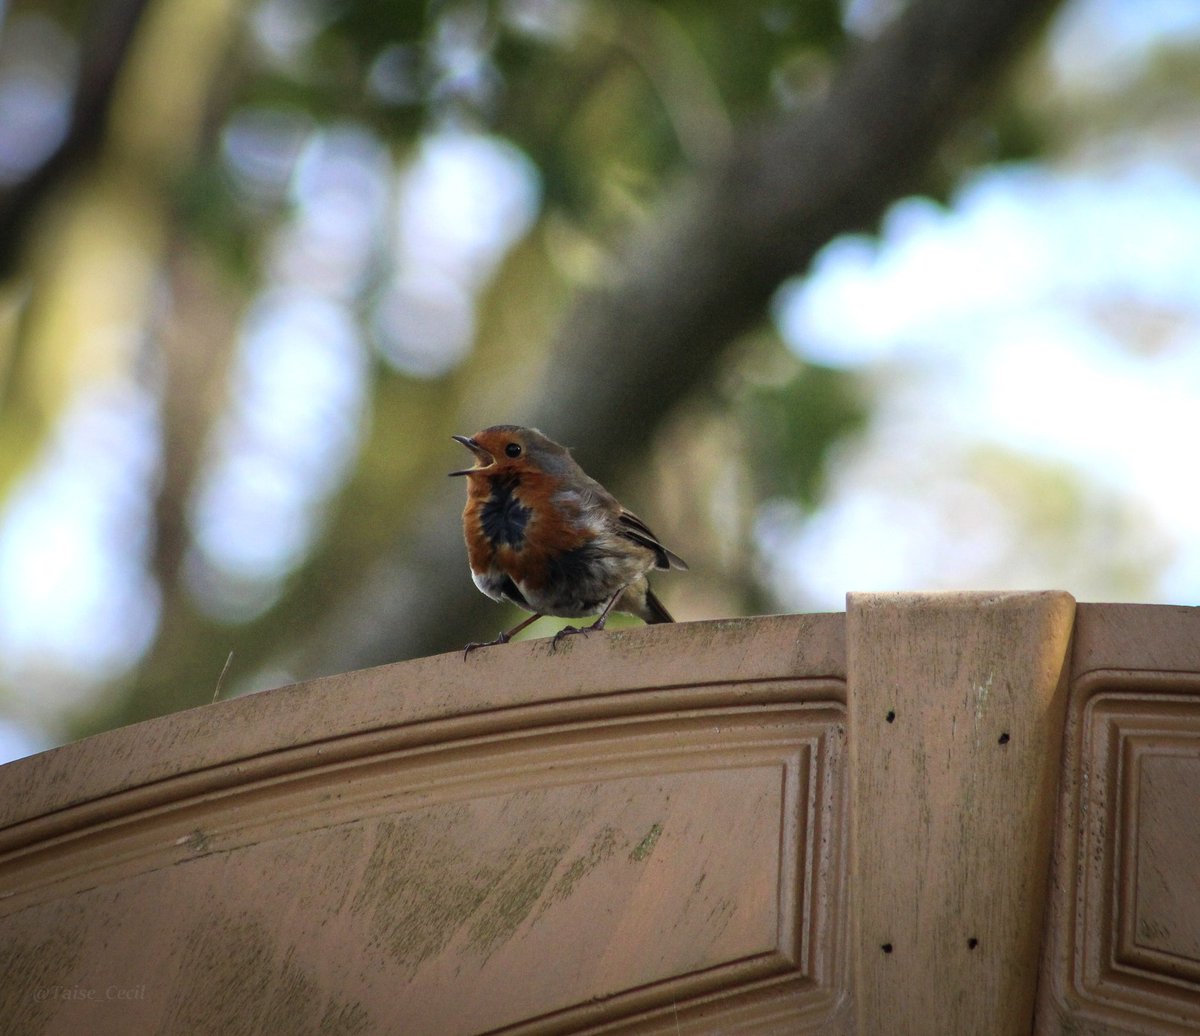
{"x": 936, "y": 813}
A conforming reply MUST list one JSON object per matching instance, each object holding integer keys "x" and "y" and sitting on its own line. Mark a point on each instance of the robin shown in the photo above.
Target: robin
{"x": 544, "y": 535}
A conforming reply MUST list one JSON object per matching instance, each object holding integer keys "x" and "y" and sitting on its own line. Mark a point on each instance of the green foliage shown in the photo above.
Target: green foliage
{"x": 594, "y": 101}
{"x": 791, "y": 429}
{"x": 748, "y": 45}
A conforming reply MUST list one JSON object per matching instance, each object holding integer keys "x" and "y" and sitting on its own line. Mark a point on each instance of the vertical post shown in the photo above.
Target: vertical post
{"x": 956, "y": 707}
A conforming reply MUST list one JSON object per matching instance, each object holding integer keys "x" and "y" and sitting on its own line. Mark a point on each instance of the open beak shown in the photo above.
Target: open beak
{"x": 482, "y": 457}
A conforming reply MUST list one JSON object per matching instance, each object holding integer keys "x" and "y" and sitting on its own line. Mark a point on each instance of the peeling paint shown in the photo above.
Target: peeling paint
{"x": 982, "y": 690}
{"x": 197, "y": 841}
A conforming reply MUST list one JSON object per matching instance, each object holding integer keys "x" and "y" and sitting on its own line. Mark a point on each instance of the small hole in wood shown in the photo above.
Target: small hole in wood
{"x": 886, "y": 947}
{"x": 1004, "y": 739}
{"x": 972, "y": 943}
{"x": 891, "y": 716}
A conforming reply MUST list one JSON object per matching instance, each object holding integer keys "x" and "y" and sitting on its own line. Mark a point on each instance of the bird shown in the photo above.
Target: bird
{"x": 544, "y": 535}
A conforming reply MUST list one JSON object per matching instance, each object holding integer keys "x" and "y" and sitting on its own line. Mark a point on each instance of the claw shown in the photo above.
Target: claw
{"x": 502, "y": 639}
{"x": 566, "y": 631}
{"x": 569, "y": 631}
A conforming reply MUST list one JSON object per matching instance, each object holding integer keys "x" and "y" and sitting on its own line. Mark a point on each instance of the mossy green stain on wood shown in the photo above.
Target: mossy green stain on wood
{"x": 421, "y": 886}
{"x": 235, "y": 978}
{"x": 646, "y": 846}
{"x": 414, "y": 889}
{"x": 513, "y": 896}
{"x": 603, "y": 846}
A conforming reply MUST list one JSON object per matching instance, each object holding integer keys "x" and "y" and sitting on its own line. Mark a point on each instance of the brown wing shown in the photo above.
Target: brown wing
{"x": 634, "y": 528}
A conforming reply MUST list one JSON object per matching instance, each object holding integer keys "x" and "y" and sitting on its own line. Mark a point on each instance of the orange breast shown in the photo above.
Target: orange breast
{"x": 514, "y": 525}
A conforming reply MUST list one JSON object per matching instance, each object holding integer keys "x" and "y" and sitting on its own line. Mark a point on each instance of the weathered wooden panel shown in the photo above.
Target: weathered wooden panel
{"x": 956, "y": 708}
{"x": 1123, "y": 947}
{"x": 649, "y": 831}
{"x": 1160, "y": 914}
{"x": 522, "y": 842}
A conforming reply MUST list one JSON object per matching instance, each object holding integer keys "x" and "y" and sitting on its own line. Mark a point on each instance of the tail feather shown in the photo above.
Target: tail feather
{"x": 655, "y": 612}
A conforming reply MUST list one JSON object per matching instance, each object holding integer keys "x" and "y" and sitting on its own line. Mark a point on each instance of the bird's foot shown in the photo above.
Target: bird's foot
{"x": 570, "y": 631}
{"x": 502, "y": 639}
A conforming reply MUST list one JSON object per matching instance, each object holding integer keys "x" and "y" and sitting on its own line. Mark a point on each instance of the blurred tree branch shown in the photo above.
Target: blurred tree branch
{"x": 693, "y": 280}
{"x": 106, "y": 44}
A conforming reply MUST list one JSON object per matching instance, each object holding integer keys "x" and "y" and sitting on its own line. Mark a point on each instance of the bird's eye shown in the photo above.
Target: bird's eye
{"x": 513, "y": 449}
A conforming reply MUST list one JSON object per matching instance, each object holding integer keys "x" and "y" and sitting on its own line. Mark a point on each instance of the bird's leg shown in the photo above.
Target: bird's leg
{"x": 601, "y": 619}
{"x": 504, "y": 637}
